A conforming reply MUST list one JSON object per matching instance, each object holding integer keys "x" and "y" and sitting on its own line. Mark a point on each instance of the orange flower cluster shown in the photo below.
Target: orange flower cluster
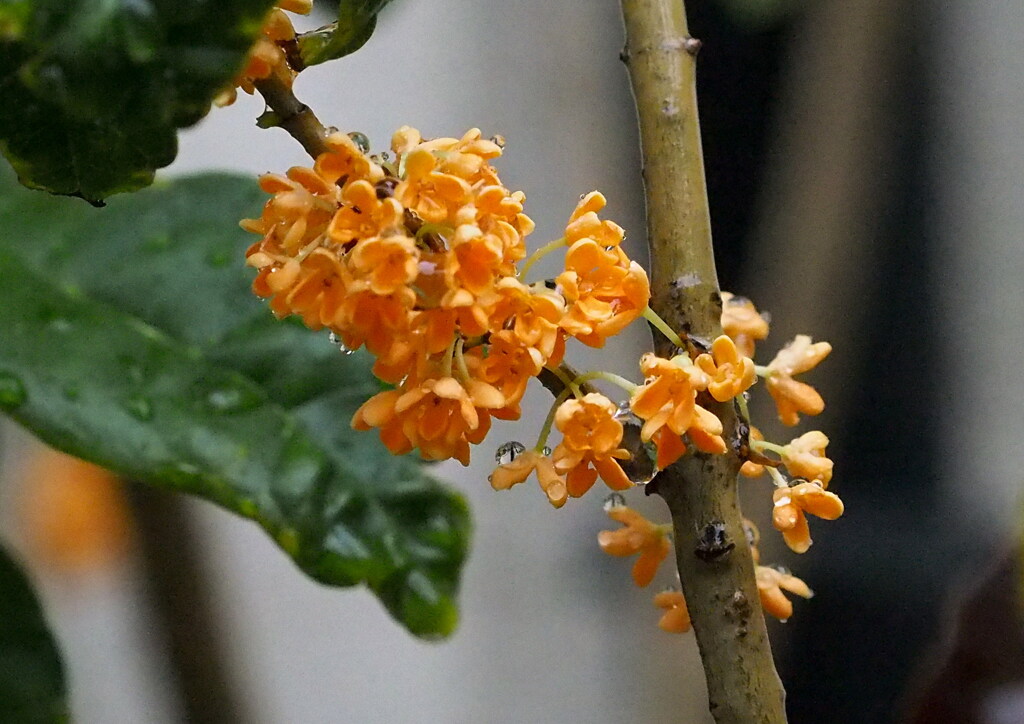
{"x": 266, "y": 57}
{"x": 414, "y": 257}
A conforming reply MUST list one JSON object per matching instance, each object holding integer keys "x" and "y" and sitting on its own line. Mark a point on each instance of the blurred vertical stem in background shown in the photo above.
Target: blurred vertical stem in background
{"x": 714, "y": 560}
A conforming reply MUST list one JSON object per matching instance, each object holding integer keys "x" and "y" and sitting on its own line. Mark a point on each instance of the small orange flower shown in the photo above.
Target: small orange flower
{"x": 793, "y": 397}
{"x": 585, "y": 224}
{"x": 791, "y": 504}
{"x": 533, "y": 315}
{"x": 770, "y": 585}
{"x": 346, "y": 162}
{"x": 592, "y": 437}
{"x": 387, "y": 263}
{"x": 676, "y": 618}
{"x": 667, "y": 398}
{"x": 728, "y": 372}
{"x": 362, "y": 215}
{"x": 439, "y": 416}
{"x": 474, "y": 259}
{"x": 804, "y": 457}
{"x": 742, "y": 322}
{"x": 266, "y": 57}
{"x": 519, "y": 469}
{"x": 638, "y": 535}
{"x": 509, "y": 364}
{"x": 751, "y": 469}
{"x": 606, "y": 291}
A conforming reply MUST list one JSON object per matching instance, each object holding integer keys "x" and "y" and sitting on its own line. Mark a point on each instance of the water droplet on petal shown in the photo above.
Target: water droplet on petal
{"x": 340, "y": 344}
{"x": 508, "y": 451}
{"x": 139, "y": 407}
{"x": 615, "y": 500}
{"x": 360, "y": 140}
{"x": 12, "y": 391}
{"x": 783, "y": 570}
{"x": 547, "y": 451}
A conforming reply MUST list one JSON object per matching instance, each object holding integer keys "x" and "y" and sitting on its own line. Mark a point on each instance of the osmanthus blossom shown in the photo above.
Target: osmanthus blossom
{"x": 729, "y": 373}
{"x": 791, "y": 396}
{"x": 791, "y": 504}
{"x": 771, "y": 582}
{"x": 591, "y": 438}
{"x": 743, "y": 323}
{"x": 636, "y": 536}
{"x": 416, "y": 258}
{"x": 676, "y": 618}
{"x": 520, "y": 468}
{"x": 805, "y": 457}
{"x": 266, "y": 56}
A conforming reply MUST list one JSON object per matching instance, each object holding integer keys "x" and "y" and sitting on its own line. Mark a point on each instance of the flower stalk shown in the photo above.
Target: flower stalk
{"x": 713, "y": 557}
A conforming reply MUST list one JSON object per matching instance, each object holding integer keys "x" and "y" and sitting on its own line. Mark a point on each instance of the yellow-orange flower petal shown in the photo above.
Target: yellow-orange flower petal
{"x": 729, "y": 373}
{"x": 805, "y": 457}
{"x": 742, "y": 322}
{"x": 791, "y": 396}
{"x": 771, "y": 583}
{"x": 638, "y": 535}
{"x": 676, "y": 618}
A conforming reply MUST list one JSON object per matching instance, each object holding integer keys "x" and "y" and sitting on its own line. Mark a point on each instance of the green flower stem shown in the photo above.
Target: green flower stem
{"x": 651, "y": 316}
{"x": 460, "y": 360}
{"x": 777, "y": 477}
{"x": 571, "y": 383}
{"x": 702, "y": 492}
{"x": 439, "y": 229}
{"x": 540, "y": 254}
{"x": 741, "y": 400}
{"x": 762, "y": 445}
{"x": 763, "y": 371}
{"x": 449, "y": 357}
{"x": 607, "y": 377}
{"x": 542, "y": 439}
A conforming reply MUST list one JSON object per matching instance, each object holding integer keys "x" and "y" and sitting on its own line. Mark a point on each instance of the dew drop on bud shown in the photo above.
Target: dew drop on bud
{"x": 615, "y": 500}
{"x": 547, "y": 451}
{"x": 508, "y": 451}
{"x": 498, "y": 140}
{"x": 360, "y": 140}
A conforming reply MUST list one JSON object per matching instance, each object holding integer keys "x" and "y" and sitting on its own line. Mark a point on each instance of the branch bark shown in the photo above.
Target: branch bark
{"x": 293, "y": 115}
{"x": 714, "y": 560}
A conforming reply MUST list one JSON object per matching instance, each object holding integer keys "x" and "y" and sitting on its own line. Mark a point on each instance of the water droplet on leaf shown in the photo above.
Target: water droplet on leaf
{"x": 140, "y": 408}
{"x": 12, "y": 391}
{"x": 508, "y": 451}
{"x": 231, "y": 399}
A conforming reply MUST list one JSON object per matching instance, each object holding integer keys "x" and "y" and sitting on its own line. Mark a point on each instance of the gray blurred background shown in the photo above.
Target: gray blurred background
{"x": 865, "y": 163}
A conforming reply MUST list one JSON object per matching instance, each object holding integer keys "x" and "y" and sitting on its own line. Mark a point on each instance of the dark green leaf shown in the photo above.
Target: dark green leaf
{"x": 94, "y": 91}
{"x": 356, "y": 21}
{"x": 130, "y": 338}
{"x": 31, "y": 674}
